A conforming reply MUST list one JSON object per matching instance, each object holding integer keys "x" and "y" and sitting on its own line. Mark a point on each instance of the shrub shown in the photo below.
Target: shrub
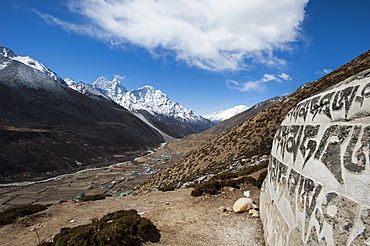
{"x": 10, "y": 215}
{"x": 196, "y": 192}
{"x": 225, "y": 175}
{"x": 123, "y": 227}
{"x": 232, "y": 179}
{"x": 167, "y": 188}
{"x": 93, "y": 197}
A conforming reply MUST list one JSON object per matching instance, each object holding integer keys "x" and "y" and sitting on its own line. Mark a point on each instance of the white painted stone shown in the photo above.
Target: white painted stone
{"x": 318, "y": 183}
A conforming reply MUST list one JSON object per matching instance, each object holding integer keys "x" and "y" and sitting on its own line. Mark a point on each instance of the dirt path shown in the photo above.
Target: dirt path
{"x": 180, "y": 218}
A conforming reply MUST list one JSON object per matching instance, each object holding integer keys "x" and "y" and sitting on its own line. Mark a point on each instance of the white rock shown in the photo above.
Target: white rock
{"x": 254, "y": 206}
{"x": 242, "y": 205}
{"x": 247, "y": 193}
{"x": 253, "y": 212}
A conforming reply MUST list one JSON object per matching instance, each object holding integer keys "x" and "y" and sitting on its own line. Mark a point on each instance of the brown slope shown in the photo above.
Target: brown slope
{"x": 253, "y": 137}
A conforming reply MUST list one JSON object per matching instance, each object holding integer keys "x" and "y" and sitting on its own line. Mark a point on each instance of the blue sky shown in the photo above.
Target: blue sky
{"x": 208, "y": 55}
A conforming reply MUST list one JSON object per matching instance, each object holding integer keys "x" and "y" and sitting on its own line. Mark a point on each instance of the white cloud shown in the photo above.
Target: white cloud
{"x": 324, "y": 71}
{"x": 285, "y": 76}
{"x": 120, "y": 77}
{"x": 215, "y": 35}
{"x": 258, "y": 85}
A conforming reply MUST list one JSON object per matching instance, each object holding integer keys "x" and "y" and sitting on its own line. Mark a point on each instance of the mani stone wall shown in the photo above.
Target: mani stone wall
{"x": 317, "y": 191}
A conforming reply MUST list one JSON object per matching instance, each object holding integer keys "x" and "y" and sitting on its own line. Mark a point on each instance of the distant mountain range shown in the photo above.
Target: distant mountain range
{"x": 148, "y": 101}
{"x": 217, "y": 117}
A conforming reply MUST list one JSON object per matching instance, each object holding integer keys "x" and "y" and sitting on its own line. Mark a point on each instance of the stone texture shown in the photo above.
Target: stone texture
{"x": 318, "y": 183}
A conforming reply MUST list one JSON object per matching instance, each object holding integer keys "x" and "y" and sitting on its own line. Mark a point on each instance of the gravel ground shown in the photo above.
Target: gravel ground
{"x": 180, "y": 218}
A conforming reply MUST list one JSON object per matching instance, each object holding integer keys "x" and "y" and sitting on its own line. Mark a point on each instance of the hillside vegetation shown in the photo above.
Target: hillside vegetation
{"x": 252, "y": 138}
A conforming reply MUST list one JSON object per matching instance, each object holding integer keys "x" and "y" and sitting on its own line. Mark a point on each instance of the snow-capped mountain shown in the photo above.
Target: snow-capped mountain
{"x": 27, "y": 60}
{"x": 88, "y": 90}
{"x": 157, "y": 103}
{"x": 152, "y": 101}
{"x": 113, "y": 89}
{"x": 69, "y": 81}
{"x": 217, "y": 117}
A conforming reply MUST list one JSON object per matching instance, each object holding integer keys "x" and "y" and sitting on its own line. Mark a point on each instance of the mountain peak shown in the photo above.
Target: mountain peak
{"x": 149, "y": 87}
{"x": 29, "y": 61}
{"x": 153, "y": 101}
{"x": 217, "y": 117}
{"x": 114, "y": 89}
{"x": 6, "y": 52}
{"x": 69, "y": 81}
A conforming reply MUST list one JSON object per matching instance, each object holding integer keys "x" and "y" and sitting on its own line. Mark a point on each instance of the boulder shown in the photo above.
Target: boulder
{"x": 242, "y": 205}
{"x": 317, "y": 188}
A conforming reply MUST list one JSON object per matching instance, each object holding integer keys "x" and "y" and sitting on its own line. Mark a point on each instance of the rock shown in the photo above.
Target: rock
{"x": 320, "y": 165}
{"x": 242, "y": 205}
{"x": 222, "y": 209}
{"x": 231, "y": 189}
{"x": 254, "y": 213}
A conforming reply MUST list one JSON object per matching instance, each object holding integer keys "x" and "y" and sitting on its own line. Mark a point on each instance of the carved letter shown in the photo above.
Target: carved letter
{"x": 360, "y": 164}
{"x": 331, "y": 143}
{"x": 309, "y": 132}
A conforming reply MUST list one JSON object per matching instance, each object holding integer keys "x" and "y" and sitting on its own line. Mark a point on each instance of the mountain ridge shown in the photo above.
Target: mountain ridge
{"x": 29, "y": 61}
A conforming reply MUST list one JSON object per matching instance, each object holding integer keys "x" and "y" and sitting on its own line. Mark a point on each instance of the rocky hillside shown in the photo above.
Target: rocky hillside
{"x": 251, "y": 139}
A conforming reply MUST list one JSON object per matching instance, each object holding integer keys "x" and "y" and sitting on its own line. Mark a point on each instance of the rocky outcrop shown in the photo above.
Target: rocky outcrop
{"x": 318, "y": 183}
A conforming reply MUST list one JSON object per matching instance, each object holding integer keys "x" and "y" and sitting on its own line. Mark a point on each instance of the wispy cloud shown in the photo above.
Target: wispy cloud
{"x": 214, "y": 35}
{"x": 120, "y": 77}
{"x": 285, "y": 76}
{"x": 324, "y": 71}
{"x": 257, "y": 85}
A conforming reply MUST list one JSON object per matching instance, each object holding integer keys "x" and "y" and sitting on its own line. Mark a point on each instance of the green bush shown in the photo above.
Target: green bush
{"x": 92, "y": 197}
{"x": 123, "y": 227}
{"x": 10, "y": 215}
